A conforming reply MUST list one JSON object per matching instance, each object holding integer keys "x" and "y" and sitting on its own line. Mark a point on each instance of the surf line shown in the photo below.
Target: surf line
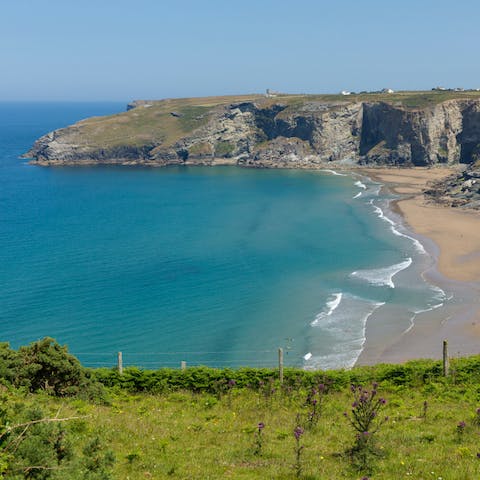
{"x": 393, "y": 227}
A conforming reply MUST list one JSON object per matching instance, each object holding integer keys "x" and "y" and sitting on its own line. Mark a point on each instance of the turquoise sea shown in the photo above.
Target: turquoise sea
{"x": 215, "y": 266}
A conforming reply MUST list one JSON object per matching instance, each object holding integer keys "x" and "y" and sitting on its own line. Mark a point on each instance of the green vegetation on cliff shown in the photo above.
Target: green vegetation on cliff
{"x": 153, "y": 122}
{"x": 293, "y": 131}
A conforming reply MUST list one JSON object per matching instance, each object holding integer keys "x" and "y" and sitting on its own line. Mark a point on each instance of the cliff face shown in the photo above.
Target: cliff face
{"x": 274, "y": 133}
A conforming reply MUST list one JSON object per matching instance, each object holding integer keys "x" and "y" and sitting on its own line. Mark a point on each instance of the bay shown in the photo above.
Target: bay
{"x": 216, "y": 266}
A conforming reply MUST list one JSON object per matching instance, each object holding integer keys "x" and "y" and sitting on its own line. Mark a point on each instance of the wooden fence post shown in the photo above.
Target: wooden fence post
{"x": 280, "y": 364}
{"x": 446, "y": 363}
{"x": 183, "y": 365}
{"x": 120, "y": 363}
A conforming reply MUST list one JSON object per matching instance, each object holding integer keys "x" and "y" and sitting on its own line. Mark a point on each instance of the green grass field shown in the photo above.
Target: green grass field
{"x": 214, "y": 435}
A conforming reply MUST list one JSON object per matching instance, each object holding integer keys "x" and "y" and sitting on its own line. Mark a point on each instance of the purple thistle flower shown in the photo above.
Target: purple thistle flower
{"x": 321, "y": 387}
{"x": 461, "y": 425}
{"x": 478, "y": 455}
{"x": 231, "y": 382}
{"x": 382, "y": 401}
{"x": 374, "y": 385}
{"x": 314, "y": 401}
{"x": 478, "y": 411}
{"x": 298, "y": 432}
{"x": 261, "y": 426}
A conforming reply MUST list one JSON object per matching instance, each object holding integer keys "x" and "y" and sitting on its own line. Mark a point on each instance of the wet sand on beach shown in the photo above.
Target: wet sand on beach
{"x": 452, "y": 236}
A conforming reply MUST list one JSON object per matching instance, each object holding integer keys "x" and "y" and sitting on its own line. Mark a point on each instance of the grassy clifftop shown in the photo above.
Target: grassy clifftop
{"x": 166, "y": 121}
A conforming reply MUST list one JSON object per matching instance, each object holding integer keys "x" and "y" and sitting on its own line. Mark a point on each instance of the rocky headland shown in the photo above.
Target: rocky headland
{"x": 289, "y": 131}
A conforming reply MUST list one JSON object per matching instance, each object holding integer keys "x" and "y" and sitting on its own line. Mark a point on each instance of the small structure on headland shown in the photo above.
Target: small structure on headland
{"x": 271, "y": 93}
{"x": 345, "y": 92}
{"x": 388, "y": 90}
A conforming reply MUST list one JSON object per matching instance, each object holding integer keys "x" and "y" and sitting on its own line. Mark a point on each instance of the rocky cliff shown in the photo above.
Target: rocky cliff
{"x": 288, "y": 131}
{"x": 458, "y": 190}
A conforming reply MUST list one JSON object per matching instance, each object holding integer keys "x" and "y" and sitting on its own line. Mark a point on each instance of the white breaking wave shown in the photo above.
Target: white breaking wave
{"x": 439, "y": 293}
{"x": 418, "y": 312}
{"x": 360, "y": 185}
{"x": 344, "y": 329}
{"x": 331, "y": 306}
{"x": 382, "y": 276}
{"x": 429, "y": 309}
{"x": 420, "y": 248}
{"x": 307, "y": 356}
{"x": 359, "y": 194}
{"x": 333, "y": 172}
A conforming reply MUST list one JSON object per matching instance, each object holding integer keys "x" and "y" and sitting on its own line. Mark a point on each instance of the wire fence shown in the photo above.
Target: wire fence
{"x": 181, "y": 359}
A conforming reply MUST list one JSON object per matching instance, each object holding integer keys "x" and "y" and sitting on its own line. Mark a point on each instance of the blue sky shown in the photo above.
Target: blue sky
{"x": 123, "y": 50}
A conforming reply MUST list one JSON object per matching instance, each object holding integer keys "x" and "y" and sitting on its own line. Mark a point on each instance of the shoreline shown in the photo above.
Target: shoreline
{"x": 451, "y": 238}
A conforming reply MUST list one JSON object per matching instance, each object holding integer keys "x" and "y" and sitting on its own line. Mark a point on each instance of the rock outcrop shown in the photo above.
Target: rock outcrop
{"x": 284, "y": 132}
{"x": 458, "y": 190}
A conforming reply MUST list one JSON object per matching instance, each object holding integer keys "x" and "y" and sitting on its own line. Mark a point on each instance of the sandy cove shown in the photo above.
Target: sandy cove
{"x": 452, "y": 237}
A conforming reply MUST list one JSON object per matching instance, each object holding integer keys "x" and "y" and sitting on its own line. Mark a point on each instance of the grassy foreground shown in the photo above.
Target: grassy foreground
{"x": 212, "y": 435}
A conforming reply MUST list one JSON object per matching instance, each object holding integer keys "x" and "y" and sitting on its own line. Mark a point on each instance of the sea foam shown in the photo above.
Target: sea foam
{"x": 393, "y": 227}
{"x": 339, "y": 332}
{"x": 360, "y": 185}
{"x": 330, "y": 307}
{"x": 333, "y": 172}
{"x": 382, "y": 276}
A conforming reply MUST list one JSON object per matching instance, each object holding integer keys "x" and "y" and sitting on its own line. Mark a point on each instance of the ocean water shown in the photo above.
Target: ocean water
{"x": 215, "y": 266}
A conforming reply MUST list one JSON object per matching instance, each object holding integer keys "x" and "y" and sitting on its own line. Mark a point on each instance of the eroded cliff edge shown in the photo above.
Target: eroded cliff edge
{"x": 289, "y": 131}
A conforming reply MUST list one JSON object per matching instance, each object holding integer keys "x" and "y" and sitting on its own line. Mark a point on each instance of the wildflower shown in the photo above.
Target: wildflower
{"x": 259, "y": 439}
{"x": 298, "y": 432}
{"x": 231, "y": 382}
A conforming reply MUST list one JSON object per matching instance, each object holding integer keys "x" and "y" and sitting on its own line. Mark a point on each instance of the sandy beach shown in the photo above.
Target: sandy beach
{"x": 452, "y": 237}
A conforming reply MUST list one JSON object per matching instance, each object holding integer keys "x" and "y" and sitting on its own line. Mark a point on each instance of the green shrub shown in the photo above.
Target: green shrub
{"x": 46, "y": 365}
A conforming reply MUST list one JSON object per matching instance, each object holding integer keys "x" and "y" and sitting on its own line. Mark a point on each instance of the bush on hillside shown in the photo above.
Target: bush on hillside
{"x": 47, "y": 365}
